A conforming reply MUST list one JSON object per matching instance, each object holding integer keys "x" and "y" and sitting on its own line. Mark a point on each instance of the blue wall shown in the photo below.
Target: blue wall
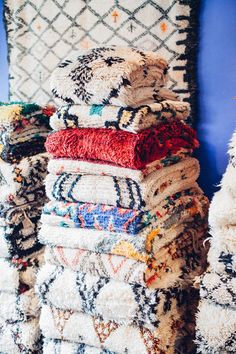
{"x": 217, "y": 85}
{"x": 3, "y": 59}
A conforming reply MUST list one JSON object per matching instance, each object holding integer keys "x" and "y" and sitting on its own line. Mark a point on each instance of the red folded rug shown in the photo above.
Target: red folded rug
{"x": 121, "y": 147}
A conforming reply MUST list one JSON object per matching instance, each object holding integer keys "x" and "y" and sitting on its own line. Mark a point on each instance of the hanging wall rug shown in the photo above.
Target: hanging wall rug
{"x": 41, "y": 34}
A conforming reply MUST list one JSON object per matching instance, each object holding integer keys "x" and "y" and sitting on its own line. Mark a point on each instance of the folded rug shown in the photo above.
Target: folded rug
{"x": 57, "y": 166}
{"x": 222, "y": 260}
{"x": 177, "y": 262}
{"x": 57, "y": 346}
{"x": 23, "y": 130}
{"x": 119, "y": 76}
{"x": 94, "y": 331}
{"x": 19, "y": 275}
{"x": 222, "y": 212}
{"x": 232, "y": 146}
{"x": 129, "y": 304}
{"x": 172, "y": 210}
{"x": 23, "y": 182}
{"x": 124, "y": 118}
{"x": 19, "y": 228}
{"x": 227, "y": 182}
{"x": 120, "y": 147}
{"x": 219, "y": 288}
{"x": 168, "y": 272}
{"x": 123, "y": 192}
{"x": 216, "y": 329}
{"x": 19, "y": 308}
{"x": 139, "y": 248}
{"x": 20, "y": 337}
{"x": 224, "y": 239}
{"x": 18, "y": 115}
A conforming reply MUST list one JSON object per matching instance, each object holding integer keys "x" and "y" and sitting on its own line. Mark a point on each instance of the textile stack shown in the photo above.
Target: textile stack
{"x": 126, "y": 220}
{"x": 216, "y": 319}
{"x": 23, "y": 167}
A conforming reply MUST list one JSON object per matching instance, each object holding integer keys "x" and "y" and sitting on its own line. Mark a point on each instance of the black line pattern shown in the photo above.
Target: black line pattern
{"x": 41, "y": 41}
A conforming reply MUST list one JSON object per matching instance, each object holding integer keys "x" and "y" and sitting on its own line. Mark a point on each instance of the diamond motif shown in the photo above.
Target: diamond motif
{"x": 42, "y": 35}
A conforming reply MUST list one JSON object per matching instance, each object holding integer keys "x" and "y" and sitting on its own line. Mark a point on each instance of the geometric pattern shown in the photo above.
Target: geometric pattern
{"x": 42, "y": 33}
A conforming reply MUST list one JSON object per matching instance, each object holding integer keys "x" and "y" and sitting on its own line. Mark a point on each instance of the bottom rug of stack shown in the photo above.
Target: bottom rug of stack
{"x": 106, "y": 313}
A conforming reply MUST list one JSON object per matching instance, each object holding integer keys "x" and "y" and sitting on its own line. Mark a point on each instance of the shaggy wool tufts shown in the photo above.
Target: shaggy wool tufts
{"x": 57, "y": 166}
{"x": 119, "y": 147}
{"x": 19, "y": 230}
{"x": 216, "y": 328}
{"x": 94, "y": 331}
{"x": 20, "y": 307}
{"x": 124, "y": 192}
{"x": 19, "y": 274}
{"x": 23, "y": 182}
{"x": 166, "y": 274}
{"x": 129, "y": 304}
{"x": 178, "y": 208}
{"x": 57, "y": 346}
{"x": 124, "y": 118}
{"x": 23, "y": 130}
{"x": 20, "y": 337}
{"x": 184, "y": 255}
{"x": 119, "y": 76}
{"x": 219, "y": 289}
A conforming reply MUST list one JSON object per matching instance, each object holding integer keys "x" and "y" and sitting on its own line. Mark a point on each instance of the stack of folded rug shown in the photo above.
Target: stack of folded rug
{"x": 126, "y": 220}
{"x": 23, "y": 166}
{"x": 216, "y": 319}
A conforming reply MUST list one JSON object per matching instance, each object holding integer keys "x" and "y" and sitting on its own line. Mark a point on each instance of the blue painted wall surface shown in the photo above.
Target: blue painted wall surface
{"x": 3, "y": 59}
{"x": 217, "y": 88}
{"x": 217, "y": 85}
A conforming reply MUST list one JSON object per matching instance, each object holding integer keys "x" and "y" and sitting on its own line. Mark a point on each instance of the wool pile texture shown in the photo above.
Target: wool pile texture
{"x": 113, "y": 117}
{"x": 23, "y": 130}
{"x": 118, "y": 76}
{"x": 216, "y": 317}
{"x": 23, "y": 167}
{"x": 119, "y": 147}
{"x": 126, "y": 221}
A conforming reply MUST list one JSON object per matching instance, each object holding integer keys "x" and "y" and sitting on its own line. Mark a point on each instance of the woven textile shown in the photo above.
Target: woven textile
{"x": 51, "y": 31}
{"x": 228, "y": 179}
{"x": 19, "y": 308}
{"x": 18, "y": 115}
{"x": 216, "y": 319}
{"x": 185, "y": 254}
{"x": 19, "y": 274}
{"x": 124, "y": 118}
{"x": 23, "y": 130}
{"x": 219, "y": 289}
{"x": 20, "y": 337}
{"x": 216, "y": 328}
{"x": 129, "y": 304}
{"x": 57, "y": 166}
{"x": 18, "y": 230}
{"x": 222, "y": 261}
{"x": 120, "y": 147}
{"x": 91, "y": 330}
{"x": 178, "y": 207}
{"x": 118, "y": 76}
{"x": 56, "y": 346}
{"x": 106, "y": 242}
{"x": 232, "y": 149}
{"x": 123, "y": 192}
{"x": 164, "y": 274}
{"x": 23, "y": 182}
{"x": 222, "y": 211}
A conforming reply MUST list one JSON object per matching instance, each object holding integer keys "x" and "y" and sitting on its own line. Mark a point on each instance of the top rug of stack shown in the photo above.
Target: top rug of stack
{"x": 119, "y": 76}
